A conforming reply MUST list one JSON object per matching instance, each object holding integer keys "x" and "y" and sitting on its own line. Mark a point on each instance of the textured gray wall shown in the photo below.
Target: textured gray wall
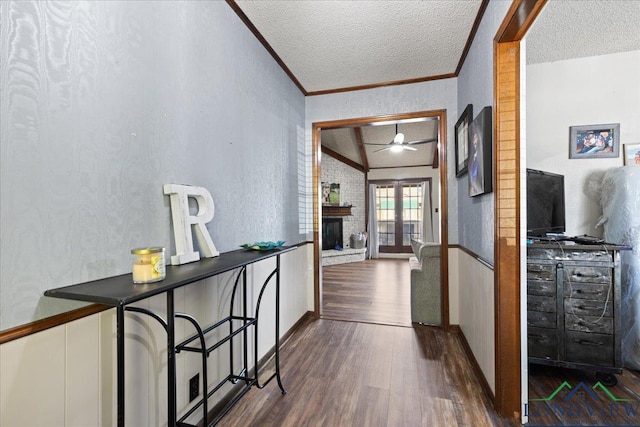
{"x": 475, "y": 86}
{"x": 104, "y": 102}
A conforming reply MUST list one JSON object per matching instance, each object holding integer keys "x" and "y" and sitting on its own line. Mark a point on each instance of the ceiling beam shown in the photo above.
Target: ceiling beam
{"x": 363, "y": 153}
{"x": 341, "y": 158}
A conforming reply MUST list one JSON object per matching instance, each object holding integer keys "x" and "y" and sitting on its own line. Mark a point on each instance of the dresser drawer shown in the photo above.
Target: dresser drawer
{"x": 588, "y": 291}
{"x": 587, "y": 307}
{"x": 541, "y": 319}
{"x": 567, "y": 253}
{"x": 542, "y": 342}
{"x": 591, "y": 324}
{"x": 540, "y": 303}
{"x": 541, "y": 287}
{"x": 586, "y": 274}
{"x": 596, "y": 349}
{"x": 541, "y": 272}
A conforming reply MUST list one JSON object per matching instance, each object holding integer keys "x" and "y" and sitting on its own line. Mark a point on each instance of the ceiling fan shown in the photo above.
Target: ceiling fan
{"x": 398, "y": 143}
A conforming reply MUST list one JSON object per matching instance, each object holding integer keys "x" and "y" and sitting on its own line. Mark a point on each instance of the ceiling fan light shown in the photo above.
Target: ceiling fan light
{"x": 396, "y": 148}
{"x": 399, "y": 138}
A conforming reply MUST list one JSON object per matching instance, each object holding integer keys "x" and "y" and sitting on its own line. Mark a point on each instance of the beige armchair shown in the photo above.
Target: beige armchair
{"x": 426, "y": 288}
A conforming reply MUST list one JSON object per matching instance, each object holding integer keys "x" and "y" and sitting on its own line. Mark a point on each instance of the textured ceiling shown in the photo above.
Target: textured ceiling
{"x": 329, "y": 45}
{"x": 585, "y": 28}
{"x": 337, "y": 44}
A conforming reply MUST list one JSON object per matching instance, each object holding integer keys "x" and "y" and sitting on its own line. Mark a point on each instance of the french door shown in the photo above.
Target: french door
{"x": 399, "y": 214}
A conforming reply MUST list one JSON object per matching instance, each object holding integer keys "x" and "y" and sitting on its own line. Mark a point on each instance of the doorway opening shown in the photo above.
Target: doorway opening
{"x": 438, "y": 161}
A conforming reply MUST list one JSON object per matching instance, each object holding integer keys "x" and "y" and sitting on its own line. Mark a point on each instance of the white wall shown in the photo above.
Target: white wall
{"x": 352, "y": 191}
{"x": 102, "y": 104}
{"x": 66, "y": 376}
{"x": 583, "y": 91}
{"x": 411, "y": 173}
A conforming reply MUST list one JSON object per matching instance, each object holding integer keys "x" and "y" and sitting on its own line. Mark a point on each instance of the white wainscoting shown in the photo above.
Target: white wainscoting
{"x": 66, "y": 376}
{"x": 476, "y": 308}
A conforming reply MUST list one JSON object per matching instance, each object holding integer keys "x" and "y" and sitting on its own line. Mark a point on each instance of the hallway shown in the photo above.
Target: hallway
{"x": 359, "y": 374}
{"x": 370, "y": 367}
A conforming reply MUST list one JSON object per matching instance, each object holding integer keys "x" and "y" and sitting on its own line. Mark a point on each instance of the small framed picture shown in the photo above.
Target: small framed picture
{"x": 462, "y": 134}
{"x": 594, "y": 141}
{"x": 632, "y": 154}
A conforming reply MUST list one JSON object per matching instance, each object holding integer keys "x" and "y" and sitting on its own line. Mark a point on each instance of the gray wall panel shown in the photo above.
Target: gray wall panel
{"x": 104, "y": 102}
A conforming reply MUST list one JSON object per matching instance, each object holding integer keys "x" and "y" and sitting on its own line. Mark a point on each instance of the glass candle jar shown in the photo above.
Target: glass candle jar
{"x": 148, "y": 265}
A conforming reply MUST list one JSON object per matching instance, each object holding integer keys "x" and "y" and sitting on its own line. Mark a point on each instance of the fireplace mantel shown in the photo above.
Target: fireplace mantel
{"x": 329, "y": 210}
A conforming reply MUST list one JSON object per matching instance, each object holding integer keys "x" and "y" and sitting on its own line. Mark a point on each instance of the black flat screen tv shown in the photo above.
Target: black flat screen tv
{"x": 545, "y": 203}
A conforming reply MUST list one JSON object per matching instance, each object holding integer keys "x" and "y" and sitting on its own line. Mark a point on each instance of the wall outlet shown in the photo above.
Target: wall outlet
{"x": 194, "y": 387}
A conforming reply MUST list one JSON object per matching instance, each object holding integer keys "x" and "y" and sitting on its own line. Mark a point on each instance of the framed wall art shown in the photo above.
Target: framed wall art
{"x": 462, "y": 134}
{"x": 480, "y": 154}
{"x": 594, "y": 141}
{"x": 632, "y": 154}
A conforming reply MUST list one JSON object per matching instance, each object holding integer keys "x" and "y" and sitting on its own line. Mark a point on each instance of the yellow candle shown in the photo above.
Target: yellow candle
{"x": 148, "y": 265}
{"x": 143, "y": 273}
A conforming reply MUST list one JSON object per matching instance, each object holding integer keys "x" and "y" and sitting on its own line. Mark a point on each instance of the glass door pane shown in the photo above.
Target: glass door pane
{"x": 411, "y": 213}
{"x": 385, "y": 211}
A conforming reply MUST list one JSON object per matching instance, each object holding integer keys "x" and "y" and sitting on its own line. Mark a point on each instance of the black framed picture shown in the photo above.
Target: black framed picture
{"x": 462, "y": 134}
{"x": 480, "y": 154}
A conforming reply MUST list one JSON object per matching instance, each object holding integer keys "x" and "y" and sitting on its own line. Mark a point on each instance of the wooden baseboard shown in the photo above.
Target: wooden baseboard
{"x": 474, "y": 363}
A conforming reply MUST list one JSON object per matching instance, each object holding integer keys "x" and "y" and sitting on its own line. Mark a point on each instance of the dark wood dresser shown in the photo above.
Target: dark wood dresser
{"x": 573, "y": 307}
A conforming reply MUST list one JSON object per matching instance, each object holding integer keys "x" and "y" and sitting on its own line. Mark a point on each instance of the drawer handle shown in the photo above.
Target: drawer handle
{"x": 579, "y": 274}
{"x": 588, "y": 307}
{"x": 580, "y": 291}
{"x": 587, "y": 342}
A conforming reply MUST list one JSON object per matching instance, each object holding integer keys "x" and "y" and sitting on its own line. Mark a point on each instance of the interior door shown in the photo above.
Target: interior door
{"x": 399, "y": 214}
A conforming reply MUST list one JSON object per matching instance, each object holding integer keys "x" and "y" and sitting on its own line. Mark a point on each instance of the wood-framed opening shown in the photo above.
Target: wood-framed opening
{"x": 317, "y": 205}
{"x": 506, "y": 66}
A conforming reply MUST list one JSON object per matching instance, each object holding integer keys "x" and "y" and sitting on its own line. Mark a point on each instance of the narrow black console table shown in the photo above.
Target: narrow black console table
{"x": 120, "y": 291}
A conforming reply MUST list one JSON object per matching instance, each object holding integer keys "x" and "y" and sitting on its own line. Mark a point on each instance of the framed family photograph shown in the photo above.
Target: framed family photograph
{"x": 594, "y": 141}
{"x": 631, "y": 154}
{"x": 462, "y": 134}
{"x": 480, "y": 154}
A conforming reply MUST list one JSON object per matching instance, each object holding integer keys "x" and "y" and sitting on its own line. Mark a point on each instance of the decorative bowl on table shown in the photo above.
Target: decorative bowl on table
{"x": 263, "y": 246}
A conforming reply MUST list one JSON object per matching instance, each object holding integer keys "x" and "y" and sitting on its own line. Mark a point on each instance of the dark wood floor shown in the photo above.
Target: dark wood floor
{"x": 364, "y": 370}
{"x": 367, "y": 372}
{"x": 360, "y": 374}
{"x": 372, "y": 291}
{"x": 582, "y": 409}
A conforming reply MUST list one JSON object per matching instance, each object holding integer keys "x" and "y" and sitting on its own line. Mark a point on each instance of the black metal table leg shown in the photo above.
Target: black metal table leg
{"x": 276, "y": 273}
{"x": 171, "y": 361}
{"x": 120, "y": 363}
{"x": 278, "y": 326}
{"x": 245, "y": 312}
